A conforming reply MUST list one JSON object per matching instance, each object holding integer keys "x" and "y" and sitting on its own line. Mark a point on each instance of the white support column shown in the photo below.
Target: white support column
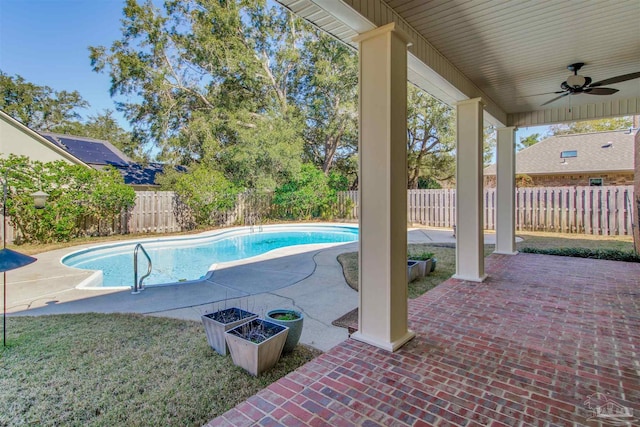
{"x": 383, "y": 313}
{"x": 469, "y": 206}
{"x": 506, "y": 192}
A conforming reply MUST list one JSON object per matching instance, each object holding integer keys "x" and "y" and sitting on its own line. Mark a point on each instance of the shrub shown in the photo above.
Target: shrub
{"x": 608, "y": 254}
{"x": 420, "y": 256}
{"x": 309, "y": 195}
{"x": 77, "y": 196}
{"x": 203, "y": 195}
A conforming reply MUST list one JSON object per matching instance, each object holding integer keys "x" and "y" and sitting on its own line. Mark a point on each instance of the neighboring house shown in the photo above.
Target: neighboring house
{"x": 100, "y": 154}
{"x": 603, "y": 158}
{"x": 18, "y": 139}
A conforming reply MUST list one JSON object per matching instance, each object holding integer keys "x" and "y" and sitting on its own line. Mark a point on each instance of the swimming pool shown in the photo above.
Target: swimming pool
{"x": 181, "y": 259}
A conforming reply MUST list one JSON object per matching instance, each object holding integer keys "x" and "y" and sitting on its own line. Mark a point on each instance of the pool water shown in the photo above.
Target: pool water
{"x": 185, "y": 259}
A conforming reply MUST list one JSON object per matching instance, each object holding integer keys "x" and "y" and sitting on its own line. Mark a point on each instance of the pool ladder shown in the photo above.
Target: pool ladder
{"x": 137, "y": 285}
{"x": 255, "y": 226}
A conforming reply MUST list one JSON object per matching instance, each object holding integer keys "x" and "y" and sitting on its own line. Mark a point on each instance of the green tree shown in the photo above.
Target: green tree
{"x": 39, "y": 107}
{"x": 43, "y": 109}
{"x": 203, "y": 195}
{"x": 489, "y": 142}
{"x": 307, "y": 195}
{"x": 528, "y": 141}
{"x": 601, "y": 125}
{"x": 208, "y": 74}
{"x": 428, "y": 183}
{"x": 265, "y": 155}
{"x": 329, "y": 84}
{"x": 431, "y": 138}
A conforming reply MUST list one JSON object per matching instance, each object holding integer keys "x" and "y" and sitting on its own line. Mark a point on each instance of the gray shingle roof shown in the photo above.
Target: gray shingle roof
{"x": 597, "y": 152}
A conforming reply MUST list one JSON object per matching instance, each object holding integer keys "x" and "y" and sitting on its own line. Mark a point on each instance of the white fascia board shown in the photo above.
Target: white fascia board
{"x": 346, "y": 14}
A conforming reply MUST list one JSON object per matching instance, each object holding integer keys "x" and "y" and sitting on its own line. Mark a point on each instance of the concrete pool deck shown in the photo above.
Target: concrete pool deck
{"x": 307, "y": 278}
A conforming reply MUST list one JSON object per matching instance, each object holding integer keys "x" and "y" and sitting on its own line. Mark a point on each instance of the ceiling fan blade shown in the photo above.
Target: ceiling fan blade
{"x": 600, "y": 91}
{"x": 556, "y": 98}
{"x": 617, "y": 79}
{"x": 540, "y": 94}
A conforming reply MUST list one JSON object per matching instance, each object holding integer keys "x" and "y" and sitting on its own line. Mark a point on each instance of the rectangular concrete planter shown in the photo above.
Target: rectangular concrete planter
{"x": 217, "y": 323}
{"x": 256, "y": 357}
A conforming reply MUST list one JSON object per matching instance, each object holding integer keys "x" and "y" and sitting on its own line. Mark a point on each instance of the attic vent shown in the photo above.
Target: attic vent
{"x": 567, "y": 154}
{"x": 608, "y": 144}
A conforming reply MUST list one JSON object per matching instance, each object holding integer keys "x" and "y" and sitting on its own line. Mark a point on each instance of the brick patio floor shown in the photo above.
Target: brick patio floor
{"x": 527, "y": 347}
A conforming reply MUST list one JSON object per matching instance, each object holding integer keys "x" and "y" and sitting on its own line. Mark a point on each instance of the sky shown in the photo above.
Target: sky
{"x": 46, "y": 42}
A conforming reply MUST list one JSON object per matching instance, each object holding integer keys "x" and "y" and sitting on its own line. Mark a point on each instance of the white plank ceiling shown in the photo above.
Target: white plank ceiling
{"x": 513, "y": 53}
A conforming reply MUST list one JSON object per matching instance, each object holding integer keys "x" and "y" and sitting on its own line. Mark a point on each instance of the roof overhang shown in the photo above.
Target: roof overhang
{"x": 513, "y": 55}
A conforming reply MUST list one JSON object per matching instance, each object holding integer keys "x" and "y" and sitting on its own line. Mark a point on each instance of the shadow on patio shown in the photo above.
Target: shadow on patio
{"x": 544, "y": 341}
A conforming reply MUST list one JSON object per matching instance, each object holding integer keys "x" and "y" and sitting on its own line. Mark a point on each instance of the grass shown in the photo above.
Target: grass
{"x": 538, "y": 241}
{"x": 446, "y": 267}
{"x": 104, "y": 370}
{"x": 615, "y": 248}
{"x": 99, "y": 369}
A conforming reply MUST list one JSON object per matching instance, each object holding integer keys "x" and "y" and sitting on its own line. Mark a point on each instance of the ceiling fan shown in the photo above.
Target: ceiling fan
{"x": 576, "y": 84}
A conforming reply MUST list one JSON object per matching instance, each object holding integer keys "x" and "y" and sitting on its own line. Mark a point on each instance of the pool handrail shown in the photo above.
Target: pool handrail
{"x": 137, "y": 286}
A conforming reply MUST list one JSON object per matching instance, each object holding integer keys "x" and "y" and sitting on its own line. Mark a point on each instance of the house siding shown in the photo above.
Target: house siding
{"x": 582, "y": 179}
{"x": 17, "y": 139}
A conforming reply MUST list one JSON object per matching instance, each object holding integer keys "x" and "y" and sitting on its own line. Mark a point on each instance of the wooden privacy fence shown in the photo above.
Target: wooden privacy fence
{"x": 588, "y": 210}
{"x": 154, "y": 212}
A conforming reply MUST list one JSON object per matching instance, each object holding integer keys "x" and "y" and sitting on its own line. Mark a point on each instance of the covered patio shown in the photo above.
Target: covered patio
{"x": 513, "y": 339}
{"x": 501, "y": 64}
{"x": 543, "y": 341}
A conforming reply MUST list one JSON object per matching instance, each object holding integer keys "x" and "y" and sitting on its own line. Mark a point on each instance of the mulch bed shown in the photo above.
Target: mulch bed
{"x": 349, "y": 321}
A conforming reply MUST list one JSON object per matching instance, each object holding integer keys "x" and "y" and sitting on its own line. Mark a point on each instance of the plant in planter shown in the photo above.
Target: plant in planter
{"x": 291, "y": 319}
{"x": 423, "y": 263}
{"x": 217, "y": 323}
{"x": 256, "y": 345}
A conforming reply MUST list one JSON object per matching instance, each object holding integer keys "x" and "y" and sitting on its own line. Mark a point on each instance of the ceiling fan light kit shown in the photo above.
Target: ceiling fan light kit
{"x": 577, "y": 84}
{"x": 576, "y": 81}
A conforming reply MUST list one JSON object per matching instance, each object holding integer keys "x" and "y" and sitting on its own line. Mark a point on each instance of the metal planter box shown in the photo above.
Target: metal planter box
{"x": 217, "y": 323}
{"x": 256, "y": 357}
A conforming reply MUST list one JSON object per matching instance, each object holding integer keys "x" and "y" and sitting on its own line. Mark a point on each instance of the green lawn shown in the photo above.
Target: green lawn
{"x": 101, "y": 369}
{"x": 446, "y": 256}
{"x": 445, "y": 268}
{"x": 538, "y": 240}
{"x": 113, "y": 369}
